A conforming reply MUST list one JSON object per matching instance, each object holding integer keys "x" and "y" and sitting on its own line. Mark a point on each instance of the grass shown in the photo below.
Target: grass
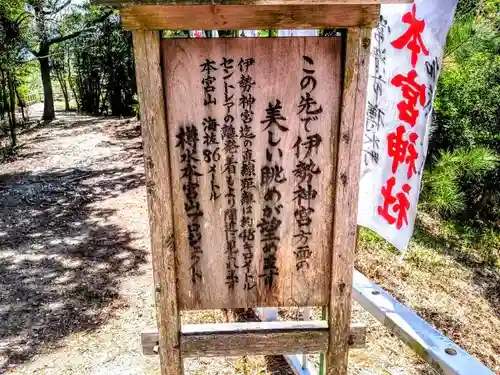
{"x": 60, "y": 106}
{"x": 450, "y": 276}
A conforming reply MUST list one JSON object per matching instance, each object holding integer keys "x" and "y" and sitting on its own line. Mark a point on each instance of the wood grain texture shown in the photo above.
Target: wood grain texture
{"x": 182, "y": 17}
{"x": 249, "y": 2}
{"x": 154, "y": 135}
{"x": 277, "y": 73}
{"x": 346, "y": 196}
{"x": 262, "y": 338}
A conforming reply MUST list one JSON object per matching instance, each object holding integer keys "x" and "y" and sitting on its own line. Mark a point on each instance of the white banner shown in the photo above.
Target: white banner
{"x": 407, "y": 52}
{"x": 197, "y": 34}
{"x": 298, "y": 32}
{"x": 203, "y": 34}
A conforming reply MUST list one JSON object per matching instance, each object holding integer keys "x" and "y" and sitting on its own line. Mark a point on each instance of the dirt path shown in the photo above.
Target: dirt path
{"x": 74, "y": 265}
{"x": 75, "y": 276}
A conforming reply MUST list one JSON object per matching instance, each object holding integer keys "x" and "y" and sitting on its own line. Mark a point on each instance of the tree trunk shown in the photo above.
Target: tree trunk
{"x": 21, "y": 104}
{"x": 48, "y": 98}
{"x": 5, "y": 98}
{"x": 5, "y": 87}
{"x": 66, "y": 99}
{"x": 104, "y": 110}
{"x": 12, "y": 95}
{"x": 2, "y": 101}
{"x": 71, "y": 83}
{"x": 24, "y": 115}
{"x": 97, "y": 98}
{"x": 73, "y": 90}
{"x": 64, "y": 89}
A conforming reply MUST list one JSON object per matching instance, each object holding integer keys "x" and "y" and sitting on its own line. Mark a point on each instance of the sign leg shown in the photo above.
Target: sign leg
{"x": 154, "y": 134}
{"x": 347, "y": 177}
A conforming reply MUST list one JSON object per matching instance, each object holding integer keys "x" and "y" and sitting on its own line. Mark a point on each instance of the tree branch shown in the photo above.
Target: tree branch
{"x": 22, "y": 17}
{"x": 459, "y": 45}
{"x": 29, "y": 49}
{"x": 62, "y": 38}
{"x": 35, "y": 53}
{"x": 57, "y": 10}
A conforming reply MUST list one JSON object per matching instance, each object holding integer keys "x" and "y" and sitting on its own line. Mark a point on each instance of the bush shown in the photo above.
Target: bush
{"x": 454, "y": 175}
{"x": 462, "y": 170}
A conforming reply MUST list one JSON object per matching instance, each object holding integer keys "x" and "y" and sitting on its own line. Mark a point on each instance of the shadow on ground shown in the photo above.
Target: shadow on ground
{"x": 60, "y": 261}
{"x": 72, "y": 122}
{"x": 275, "y": 364}
{"x": 485, "y": 275}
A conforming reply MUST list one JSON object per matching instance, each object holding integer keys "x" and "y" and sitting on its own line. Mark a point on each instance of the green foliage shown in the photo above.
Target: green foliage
{"x": 490, "y": 245}
{"x": 462, "y": 166}
{"x": 136, "y": 107}
{"x": 463, "y": 169}
{"x": 475, "y": 242}
{"x": 167, "y": 34}
{"x": 369, "y": 239}
{"x": 102, "y": 75}
{"x": 443, "y": 189}
{"x": 467, "y": 103}
{"x": 436, "y": 242}
{"x": 12, "y": 18}
{"x": 267, "y": 33}
{"x": 12, "y": 24}
{"x": 29, "y": 85}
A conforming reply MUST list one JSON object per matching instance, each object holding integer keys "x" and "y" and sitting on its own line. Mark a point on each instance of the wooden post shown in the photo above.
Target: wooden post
{"x": 346, "y": 196}
{"x": 154, "y": 135}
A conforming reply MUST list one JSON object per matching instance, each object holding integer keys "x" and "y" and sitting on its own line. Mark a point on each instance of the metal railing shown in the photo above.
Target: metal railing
{"x": 432, "y": 346}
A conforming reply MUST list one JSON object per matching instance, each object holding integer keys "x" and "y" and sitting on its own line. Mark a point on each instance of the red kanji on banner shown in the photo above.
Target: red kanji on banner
{"x": 412, "y": 155}
{"x": 412, "y": 38}
{"x": 402, "y": 151}
{"x": 400, "y": 204}
{"x": 413, "y": 92}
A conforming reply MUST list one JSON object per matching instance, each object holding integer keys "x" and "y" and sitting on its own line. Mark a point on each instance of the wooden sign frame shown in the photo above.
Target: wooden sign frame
{"x": 149, "y": 78}
{"x": 333, "y": 336}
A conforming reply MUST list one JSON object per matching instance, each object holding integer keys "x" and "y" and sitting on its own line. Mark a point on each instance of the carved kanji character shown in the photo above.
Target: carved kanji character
{"x": 208, "y": 66}
{"x": 274, "y": 116}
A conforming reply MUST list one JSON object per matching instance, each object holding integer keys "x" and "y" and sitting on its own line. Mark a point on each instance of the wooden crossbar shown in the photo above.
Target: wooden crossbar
{"x": 182, "y": 17}
{"x": 310, "y": 3}
{"x": 255, "y": 338}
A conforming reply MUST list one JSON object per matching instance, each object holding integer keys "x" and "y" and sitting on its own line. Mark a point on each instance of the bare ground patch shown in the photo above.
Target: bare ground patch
{"x": 76, "y": 282}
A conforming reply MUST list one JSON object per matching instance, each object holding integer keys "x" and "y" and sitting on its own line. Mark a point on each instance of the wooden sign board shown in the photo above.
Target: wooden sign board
{"x": 252, "y": 133}
{"x": 252, "y": 151}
